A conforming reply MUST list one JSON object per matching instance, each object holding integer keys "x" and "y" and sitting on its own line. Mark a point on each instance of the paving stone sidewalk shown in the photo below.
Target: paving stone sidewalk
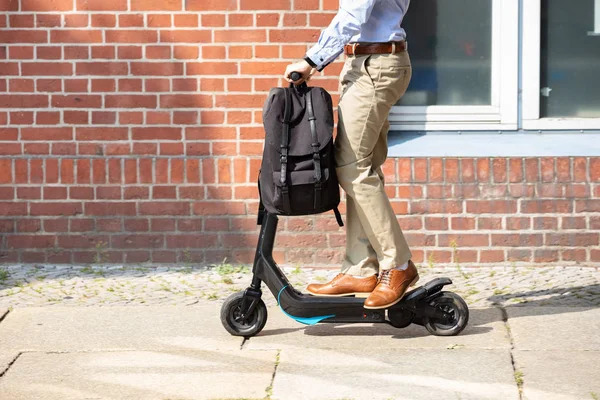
{"x": 48, "y": 285}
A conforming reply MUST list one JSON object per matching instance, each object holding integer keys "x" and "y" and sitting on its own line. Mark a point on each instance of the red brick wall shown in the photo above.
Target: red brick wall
{"x": 130, "y": 131}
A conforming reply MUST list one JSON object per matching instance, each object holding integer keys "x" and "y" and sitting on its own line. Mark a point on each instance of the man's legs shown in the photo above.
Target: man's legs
{"x": 373, "y": 85}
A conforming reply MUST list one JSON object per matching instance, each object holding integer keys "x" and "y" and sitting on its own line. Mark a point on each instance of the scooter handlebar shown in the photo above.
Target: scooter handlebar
{"x": 294, "y": 76}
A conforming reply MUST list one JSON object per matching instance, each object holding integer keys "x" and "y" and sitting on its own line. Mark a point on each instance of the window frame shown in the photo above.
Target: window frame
{"x": 502, "y": 113}
{"x": 531, "y": 65}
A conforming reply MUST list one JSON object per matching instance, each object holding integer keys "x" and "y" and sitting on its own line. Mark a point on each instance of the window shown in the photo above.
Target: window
{"x": 465, "y": 74}
{"x": 502, "y": 65}
{"x": 561, "y": 58}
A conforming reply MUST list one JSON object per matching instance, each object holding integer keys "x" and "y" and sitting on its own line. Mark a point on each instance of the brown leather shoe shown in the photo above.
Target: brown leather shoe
{"x": 344, "y": 285}
{"x": 392, "y": 285}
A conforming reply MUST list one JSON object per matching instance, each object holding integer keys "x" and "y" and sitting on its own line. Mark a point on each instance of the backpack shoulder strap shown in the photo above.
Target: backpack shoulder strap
{"x": 315, "y": 147}
{"x": 285, "y": 142}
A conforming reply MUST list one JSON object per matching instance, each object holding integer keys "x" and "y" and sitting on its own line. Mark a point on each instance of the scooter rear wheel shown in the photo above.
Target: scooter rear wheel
{"x": 231, "y": 316}
{"x": 454, "y": 305}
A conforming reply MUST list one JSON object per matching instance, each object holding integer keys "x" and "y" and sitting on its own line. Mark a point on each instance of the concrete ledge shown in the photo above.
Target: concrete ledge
{"x": 487, "y": 144}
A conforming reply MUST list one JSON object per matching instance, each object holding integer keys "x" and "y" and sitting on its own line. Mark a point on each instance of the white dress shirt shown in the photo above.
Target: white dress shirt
{"x": 372, "y": 21}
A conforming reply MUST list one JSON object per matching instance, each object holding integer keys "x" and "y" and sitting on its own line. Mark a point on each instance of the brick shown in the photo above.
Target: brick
{"x": 9, "y": 5}
{"x": 546, "y": 206}
{"x": 61, "y": 208}
{"x": 547, "y": 168}
{"x": 186, "y": 20}
{"x": 577, "y": 255}
{"x": 46, "y": 69}
{"x": 563, "y": 169}
{"x": 462, "y": 223}
{"x": 218, "y": 208}
{"x": 49, "y": 85}
{"x": 132, "y": 36}
{"x": 164, "y": 5}
{"x": 19, "y": 52}
{"x": 213, "y": 52}
{"x": 46, "y": 6}
{"x": 499, "y": 169}
{"x": 157, "y": 68}
{"x": 185, "y": 117}
{"x": 572, "y": 239}
{"x": 213, "y": 5}
{"x": 518, "y": 223}
{"x": 158, "y": 52}
{"x": 492, "y": 206}
{"x": 580, "y": 169}
{"x": 76, "y": 86}
{"x": 463, "y": 240}
{"x": 595, "y": 169}
{"x": 451, "y": 170}
{"x": 436, "y": 223}
{"x": 30, "y": 241}
{"x": 532, "y": 169}
{"x": 212, "y": 84}
{"x": 130, "y": 101}
{"x": 517, "y": 240}
{"x": 48, "y": 21}
{"x": 268, "y": 19}
{"x": 515, "y": 173}
{"x": 436, "y": 170}
{"x": 23, "y": 36}
{"x": 186, "y": 52}
{"x": 573, "y": 223}
{"x": 212, "y": 20}
{"x": 320, "y": 20}
{"x": 137, "y": 241}
{"x": 187, "y": 36}
{"x": 101, "y": 68}
{"x": 105, "y": 133}
{"x": 186, "y": 101}
{"x": 467, "y": 168}
{"x": 76, "y": 20}
{"x": 263, "y": 68}
{"x": 36, "y": 148}
{"x": 520, "y": 255}
{"x": 587, "y": 206}
{"x": 157, "y": 85}
{"x": 271, "y": 5}
{"x": 483, "y": 170}
{"x": 213, "y": 68}
{"x": 21, "y": 21}
{"x": 47, "y": 134}
{"x": 236, "y": 20}
{"x": 77, "y": 101}
{"x": 112, "y": 208}
{"x": 545, "y": 223}
{"x": 436, "y": 207}
{"x": 164, "y": 208}
{"x": 489, "y": 223}
{"x": 162, "y": 133}
{"x": 159, "y": 20}
{"x": 190, "y": 241}
{"x": 103, "y": 52}
{"x": 76, "y": 36}
{"x": 101, "y": 5}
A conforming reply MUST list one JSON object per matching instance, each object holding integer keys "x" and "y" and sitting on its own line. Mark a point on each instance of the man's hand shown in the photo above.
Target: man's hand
{"x": 303, "y": 68}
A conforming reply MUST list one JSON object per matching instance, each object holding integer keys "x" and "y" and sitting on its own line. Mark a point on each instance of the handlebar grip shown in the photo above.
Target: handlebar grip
{"x": 295, "y": 76}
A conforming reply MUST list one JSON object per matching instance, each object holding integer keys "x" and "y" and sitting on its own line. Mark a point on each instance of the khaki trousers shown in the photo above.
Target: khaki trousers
{"x": 371, "y": 85}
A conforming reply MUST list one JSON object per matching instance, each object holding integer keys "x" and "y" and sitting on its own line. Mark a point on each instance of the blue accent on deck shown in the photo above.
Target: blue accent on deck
{"x": 302, "y": 320}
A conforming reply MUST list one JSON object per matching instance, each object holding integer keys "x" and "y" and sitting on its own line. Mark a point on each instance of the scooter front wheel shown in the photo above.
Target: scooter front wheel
{"x": 452, "y": 304}
{"x": 231, "y": 316}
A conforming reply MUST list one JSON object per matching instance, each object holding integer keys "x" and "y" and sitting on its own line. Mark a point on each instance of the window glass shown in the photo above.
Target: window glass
{"x": 450, "y": 45}
{"x": 570, "y": 60}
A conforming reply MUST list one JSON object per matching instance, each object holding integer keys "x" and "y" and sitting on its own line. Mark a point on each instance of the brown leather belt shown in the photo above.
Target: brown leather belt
{"x": 374, "y": 48}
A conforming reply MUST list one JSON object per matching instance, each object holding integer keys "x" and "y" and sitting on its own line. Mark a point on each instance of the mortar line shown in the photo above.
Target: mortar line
{"x": 518, "y": 380}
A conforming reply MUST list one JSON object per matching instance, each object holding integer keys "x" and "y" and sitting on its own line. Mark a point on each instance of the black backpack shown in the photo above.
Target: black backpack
{"x": 297, "y": 175}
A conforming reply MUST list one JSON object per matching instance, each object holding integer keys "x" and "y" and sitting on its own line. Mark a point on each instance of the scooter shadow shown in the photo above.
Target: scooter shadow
{"x": 479, "y": 324}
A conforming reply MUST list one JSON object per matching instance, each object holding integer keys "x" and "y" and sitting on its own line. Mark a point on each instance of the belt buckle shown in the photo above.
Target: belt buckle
{"x": 393, "y": 47}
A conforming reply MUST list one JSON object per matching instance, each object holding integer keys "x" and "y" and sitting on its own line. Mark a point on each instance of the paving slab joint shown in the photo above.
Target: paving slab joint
{"x": 4, "y": 315}
{"x": 269, "y": 389}
{"x": 3, "y": 372}
{"x": 518, "y": 375}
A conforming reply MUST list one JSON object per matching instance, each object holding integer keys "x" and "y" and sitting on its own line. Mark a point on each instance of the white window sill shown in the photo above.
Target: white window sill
{"x": 520, "y": 144}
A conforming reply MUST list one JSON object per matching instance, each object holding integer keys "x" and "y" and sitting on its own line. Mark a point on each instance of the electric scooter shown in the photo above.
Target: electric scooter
{"x": 244, "y": 313}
